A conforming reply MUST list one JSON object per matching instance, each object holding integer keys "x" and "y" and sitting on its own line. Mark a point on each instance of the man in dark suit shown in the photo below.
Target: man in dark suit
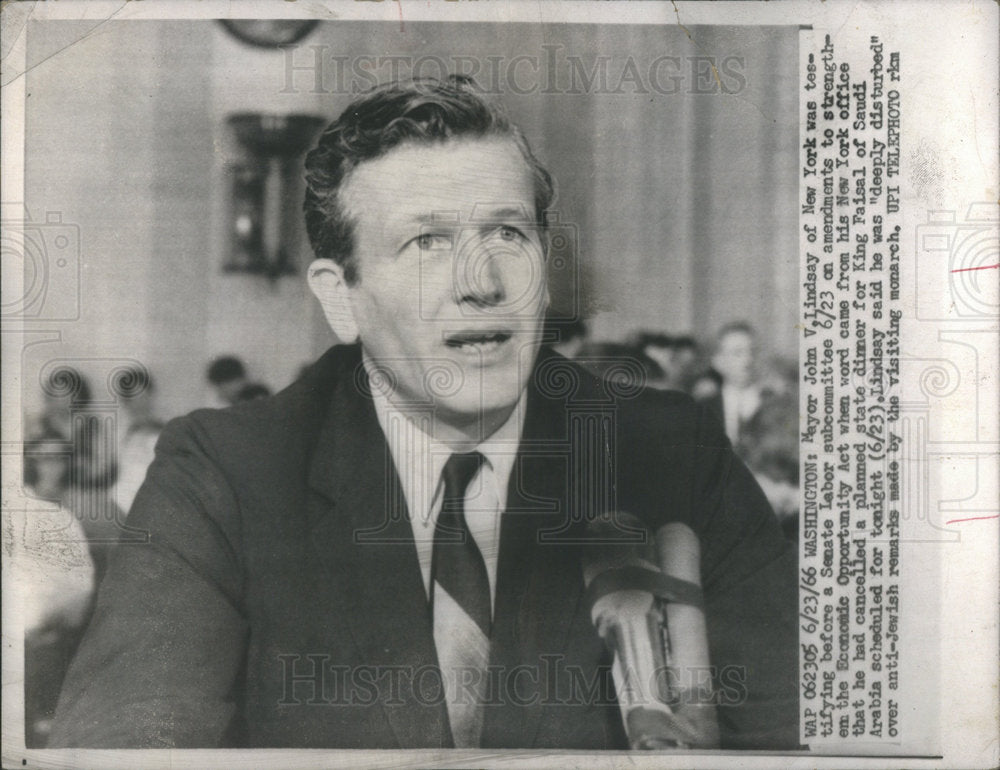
{"x": 738, "y": 397}
{"x": 385, "y": 555}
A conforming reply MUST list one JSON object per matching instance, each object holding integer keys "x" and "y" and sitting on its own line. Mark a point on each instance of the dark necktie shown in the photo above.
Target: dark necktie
{"x": 461, "y": 604}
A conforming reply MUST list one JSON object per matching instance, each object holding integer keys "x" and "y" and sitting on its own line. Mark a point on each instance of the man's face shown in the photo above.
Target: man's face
{"x": 451, "y": 288}
{"x": 734, "y": 358}
{"x": 661, "y": 355}
{"x": 229, "y": 390}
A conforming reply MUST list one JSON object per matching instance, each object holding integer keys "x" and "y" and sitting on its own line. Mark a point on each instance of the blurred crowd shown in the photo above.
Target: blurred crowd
{"x": 755, "y": 400}
{"x": 85, "y": 459}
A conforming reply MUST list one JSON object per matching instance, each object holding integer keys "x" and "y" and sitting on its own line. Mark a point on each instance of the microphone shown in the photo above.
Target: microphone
{"x": 652, "y": 622}
{"x": 691, "y": 697}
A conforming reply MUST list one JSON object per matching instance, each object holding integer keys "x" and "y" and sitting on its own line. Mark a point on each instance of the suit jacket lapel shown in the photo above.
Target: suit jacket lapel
{"x": 539, "y": 578}
{"x": 362, "y": 536}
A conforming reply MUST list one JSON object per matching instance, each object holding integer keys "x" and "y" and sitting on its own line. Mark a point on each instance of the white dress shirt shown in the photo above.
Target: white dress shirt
{"x": 419, "y": 460}
{"x": 738, "y": 406}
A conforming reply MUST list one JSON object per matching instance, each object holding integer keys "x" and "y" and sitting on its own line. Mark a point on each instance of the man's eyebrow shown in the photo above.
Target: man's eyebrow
{"x": 453, "y": 218}
{"x": 444, "y": 218}
{"x": 510, "y": 212}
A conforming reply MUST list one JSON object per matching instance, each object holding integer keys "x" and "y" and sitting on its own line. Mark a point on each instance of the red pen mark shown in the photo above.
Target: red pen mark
{"x": 974, "y": 518}
{"x": 402, "y": 27}
{"x": 983, "y": 267}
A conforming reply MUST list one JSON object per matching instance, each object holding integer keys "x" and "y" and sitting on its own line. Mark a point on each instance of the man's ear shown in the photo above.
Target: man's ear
{"x": 326, "y": 281}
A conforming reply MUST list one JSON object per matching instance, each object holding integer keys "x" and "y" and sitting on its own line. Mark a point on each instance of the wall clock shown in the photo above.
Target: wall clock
{"x": 269, "y": 33}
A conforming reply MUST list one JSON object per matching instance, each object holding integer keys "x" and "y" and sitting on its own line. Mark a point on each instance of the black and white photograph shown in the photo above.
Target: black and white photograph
{"x": 496, "y": 383}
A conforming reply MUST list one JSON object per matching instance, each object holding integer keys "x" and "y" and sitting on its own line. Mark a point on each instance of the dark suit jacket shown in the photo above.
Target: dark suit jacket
{"x": 715, "y": 406}
{"x": 279, "y": 600}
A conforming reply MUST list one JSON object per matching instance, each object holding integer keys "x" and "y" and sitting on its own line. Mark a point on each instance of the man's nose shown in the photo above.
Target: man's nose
{"x": 479, "y": 278}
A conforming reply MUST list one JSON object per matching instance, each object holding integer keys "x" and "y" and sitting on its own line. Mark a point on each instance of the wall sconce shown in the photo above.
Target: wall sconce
{"x": 265, "y": 220}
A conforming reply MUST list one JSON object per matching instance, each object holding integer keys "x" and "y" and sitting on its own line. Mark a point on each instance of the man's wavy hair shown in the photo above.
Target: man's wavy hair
{"x": 423, "y": 110}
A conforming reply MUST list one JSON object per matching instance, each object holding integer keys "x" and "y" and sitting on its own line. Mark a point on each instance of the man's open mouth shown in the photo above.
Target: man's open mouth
{"x": 477, "y": 340}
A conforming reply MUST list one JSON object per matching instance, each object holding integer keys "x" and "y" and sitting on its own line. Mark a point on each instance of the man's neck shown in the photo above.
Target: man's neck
{"x": 459, "y": 432}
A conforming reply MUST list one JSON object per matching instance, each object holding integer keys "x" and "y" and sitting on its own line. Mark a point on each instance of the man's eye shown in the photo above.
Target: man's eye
{"x": 433, "y": 241}
{"x": 509, "y": 233}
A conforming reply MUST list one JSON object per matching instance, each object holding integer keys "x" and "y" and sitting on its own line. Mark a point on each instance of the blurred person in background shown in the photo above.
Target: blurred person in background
{"x": 53, "y": 579}
{"x": 767, "y": 437}
{"x": 677, "y": 357}
{"x": 686, "y": 359}
{"x": 706, "y": 385}
{"x": 47, "y": 460}
{"x": 63, "y": 388}
{"x": 657, "y": 347}
{"x": 138, "y": 430}
{"x": 738, "y": 396}
{"x": 770, "y": 442}
{"x": 252, "y": 391}
{"x": 82, "y": 424}
{"x": 67, "y": 412}
{"x": 226, "y": 376}
{"x": 136, "y": 392}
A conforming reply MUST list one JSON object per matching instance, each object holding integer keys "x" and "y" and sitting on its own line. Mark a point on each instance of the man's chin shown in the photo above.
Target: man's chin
{"x": 466, "y": 407}
{"x": 475, "y": 412}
